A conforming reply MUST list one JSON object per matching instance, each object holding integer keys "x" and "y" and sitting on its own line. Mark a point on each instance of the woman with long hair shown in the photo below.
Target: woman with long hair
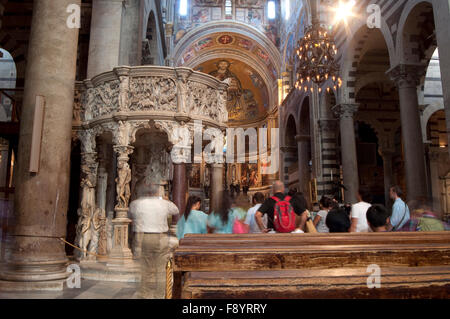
{"x": 193, "y": 220}
{"x": 221, "y": 220}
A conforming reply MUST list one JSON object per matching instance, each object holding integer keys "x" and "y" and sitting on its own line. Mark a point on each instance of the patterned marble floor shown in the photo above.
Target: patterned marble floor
{"x": 89, "y": 290}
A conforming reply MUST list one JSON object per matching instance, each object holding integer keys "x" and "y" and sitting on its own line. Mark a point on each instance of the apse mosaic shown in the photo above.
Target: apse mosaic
{"x": 247, "y": 93}
{"x": 233, "y": 41}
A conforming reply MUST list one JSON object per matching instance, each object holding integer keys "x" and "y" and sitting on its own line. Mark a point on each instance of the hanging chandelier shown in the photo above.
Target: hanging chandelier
{"x": 317, "y": 60}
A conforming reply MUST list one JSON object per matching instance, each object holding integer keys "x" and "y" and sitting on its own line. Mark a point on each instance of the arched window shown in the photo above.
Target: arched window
{"x": 271, "y": 10}
{"x": 8, "y": 75}
{"x": 287, "y": 9}
{"x": 183, "y": 10}
{"x": 228, "y": 7}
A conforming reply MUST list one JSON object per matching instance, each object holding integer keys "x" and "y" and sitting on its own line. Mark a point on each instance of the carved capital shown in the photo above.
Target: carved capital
{"x": 123, "y": 152}
{"x": 407, "y": 75}
{"x": 181, "y": 154}
{"x": 122, "y": 135}
{"x": 181, "y": 135}
{"x": 345, "y": 110}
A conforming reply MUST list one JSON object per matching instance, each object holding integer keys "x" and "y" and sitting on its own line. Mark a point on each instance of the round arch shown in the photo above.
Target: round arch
{"x": 353, "y": 50}
{"x": 228, "y": 27}
{"x": 412, "y": 7}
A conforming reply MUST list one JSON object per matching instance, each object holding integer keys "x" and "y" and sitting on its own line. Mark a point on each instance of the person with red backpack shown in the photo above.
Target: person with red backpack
{"x": 282, "y": 211}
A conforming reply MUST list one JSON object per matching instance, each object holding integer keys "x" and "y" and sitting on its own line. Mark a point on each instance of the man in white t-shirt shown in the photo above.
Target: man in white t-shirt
{"x": 257, "y": 201}
{"x": 359, "y": 211}
{"x": 150, "y": 220}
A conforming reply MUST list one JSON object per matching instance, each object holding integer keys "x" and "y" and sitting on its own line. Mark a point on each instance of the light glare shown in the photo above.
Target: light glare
{"x": 343, "y": 11}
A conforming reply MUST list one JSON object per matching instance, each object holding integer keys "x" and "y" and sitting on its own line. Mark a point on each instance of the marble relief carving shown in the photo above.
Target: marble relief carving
{"x": 153, "y": 93}
{"x": 175, "y": 92}
{"x": 101, "y": 100}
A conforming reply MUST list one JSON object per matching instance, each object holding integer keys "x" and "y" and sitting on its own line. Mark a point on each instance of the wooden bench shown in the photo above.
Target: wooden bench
{"x": 312, "y": 265}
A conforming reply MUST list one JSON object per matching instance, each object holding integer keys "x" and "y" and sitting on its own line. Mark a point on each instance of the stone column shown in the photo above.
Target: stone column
{"x": 290, "y": 154}
{"x": 387, "y": 156}
{"x": 102, "y": 185}
{"x": 348, "y": 150}
{"x": 130, "y": 30}
{"x": 328, "y": 156}
{"x": 216, "y": 183}
{"x": 436, "y": 183}
{"x": 121, "y": 253}
{"x": 104, "y": 43}
{"x": 407, "y": 79}
{"x": 4, "y": 153}
{"x": 303, "y": 163}
{"x": 179, "y": 188}
{"x": 36, "y": 258}
{"x": 441, "y": 11}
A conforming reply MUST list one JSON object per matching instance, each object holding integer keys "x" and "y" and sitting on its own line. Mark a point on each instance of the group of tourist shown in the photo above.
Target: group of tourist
{"x": 280, "y": 213}
{"x": 332, "y": 217}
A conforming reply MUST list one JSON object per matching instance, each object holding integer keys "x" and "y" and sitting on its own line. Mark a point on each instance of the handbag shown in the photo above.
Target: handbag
{"x": 239, "y": 227}
{"x": 309, "y": 226}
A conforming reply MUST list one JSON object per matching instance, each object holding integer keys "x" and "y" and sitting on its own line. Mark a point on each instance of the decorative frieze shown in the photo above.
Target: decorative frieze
{"x": 152, "y": 92}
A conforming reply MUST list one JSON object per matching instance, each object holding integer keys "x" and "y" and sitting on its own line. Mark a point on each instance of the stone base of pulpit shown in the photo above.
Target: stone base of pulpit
{"x": 129, "y": 272}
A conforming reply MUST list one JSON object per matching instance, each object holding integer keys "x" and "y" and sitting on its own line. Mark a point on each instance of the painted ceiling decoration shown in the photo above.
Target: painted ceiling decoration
{"x": 250, "y": 12}
{"x": 229, "y": 41}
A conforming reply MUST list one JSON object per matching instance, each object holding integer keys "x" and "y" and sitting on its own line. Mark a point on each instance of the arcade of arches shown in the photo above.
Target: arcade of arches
{"x": 116, "y": 89}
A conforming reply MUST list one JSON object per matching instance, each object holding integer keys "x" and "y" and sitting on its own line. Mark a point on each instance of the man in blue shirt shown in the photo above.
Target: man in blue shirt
{"x": 400, "y": 211}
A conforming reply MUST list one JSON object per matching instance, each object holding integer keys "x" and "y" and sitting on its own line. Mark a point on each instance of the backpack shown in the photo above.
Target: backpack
{"x": 283, "y": 215}
{"x": 429, "y": 224}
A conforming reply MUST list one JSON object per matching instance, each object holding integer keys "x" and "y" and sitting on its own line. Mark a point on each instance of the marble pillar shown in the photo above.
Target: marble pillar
{"x": 303, "y": 163}
{"x": 4, "y": 153}
{"x": 179, "y": 188}
{"x": 36, "y": 257}
{"x": 407, "y": 79}
{"x": 328, "y": 156}
{"x": 121, "y": 252}
{"x": 102, "y": 185}
{"x": 216, "y": 183}
{"x": 290, "y": 156}
{"x": 387, "y": 156}
{"x": 104, "y": 43}
{"x": 110, "y": 195}
{"x": 129, "y": 37}
{"x": 348, "y": 150}
{"x": 441, "y": 9}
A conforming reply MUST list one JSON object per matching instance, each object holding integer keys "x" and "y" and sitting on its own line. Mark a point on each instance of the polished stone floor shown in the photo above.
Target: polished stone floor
{"x": 90, "y": 289}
